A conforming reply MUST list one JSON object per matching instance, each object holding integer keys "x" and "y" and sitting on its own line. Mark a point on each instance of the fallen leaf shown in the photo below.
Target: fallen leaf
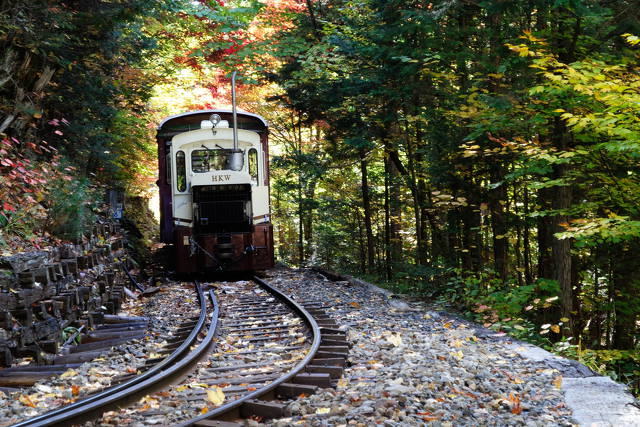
{"x": 457, "y": 354}
{"x": 68, "y": 373}
{"x": 396, "y": 340}
{"x": 558, "y": 381}
{"x": 321, "y": 411}
{"x": 163, "y": 394}
{"x": 215, "y": 396}
{"x": 75, "y": 390}
{"x": 204, "y": 410}
{"x": 25, "y": 400}
{"x": 555, "y": 328}
{"x": 354, "y": 304}
{"x": 516, "y": 408}
{"x": 201, "y": 385}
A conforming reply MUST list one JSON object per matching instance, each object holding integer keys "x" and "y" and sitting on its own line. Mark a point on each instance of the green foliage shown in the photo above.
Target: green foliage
{"x": 621, "y": 365}
{"x": 75, "y": 203}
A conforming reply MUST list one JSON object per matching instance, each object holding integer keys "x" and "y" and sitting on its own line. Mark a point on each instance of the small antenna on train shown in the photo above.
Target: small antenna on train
{"x": 236, "y": 159}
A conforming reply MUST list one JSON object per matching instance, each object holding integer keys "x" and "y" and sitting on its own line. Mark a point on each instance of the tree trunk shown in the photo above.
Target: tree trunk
{"x": 366, "y": 204}
{"x": 527, "y": 249}
{"x": 545, "y": 236}
{"x": 561, "y": 249}
{"x": 626, "y": 282}
{"x": 497, "y": 198}
{"x": 309, "y": 193}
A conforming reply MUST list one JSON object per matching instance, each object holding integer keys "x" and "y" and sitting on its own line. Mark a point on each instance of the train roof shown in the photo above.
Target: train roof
{"x": 190, "y": 120}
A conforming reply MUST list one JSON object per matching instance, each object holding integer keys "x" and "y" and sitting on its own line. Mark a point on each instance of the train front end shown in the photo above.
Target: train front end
{"x": 215, "y": 194}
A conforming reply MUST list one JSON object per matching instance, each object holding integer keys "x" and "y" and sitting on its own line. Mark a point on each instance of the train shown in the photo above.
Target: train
{"x": 213, "y": 168}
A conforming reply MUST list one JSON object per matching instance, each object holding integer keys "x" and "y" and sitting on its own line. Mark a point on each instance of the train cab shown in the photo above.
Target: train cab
{"x": 214, "y": 191}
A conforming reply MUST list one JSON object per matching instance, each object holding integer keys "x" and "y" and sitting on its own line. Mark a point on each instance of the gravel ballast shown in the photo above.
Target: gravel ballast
{"x": 411, "y": 365}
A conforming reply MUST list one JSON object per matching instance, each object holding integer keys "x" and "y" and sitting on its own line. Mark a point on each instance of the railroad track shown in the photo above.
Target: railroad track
{"x": 259, "y": 348}
{"x": 179, "y": 355}
{"x": 280, "y": 349}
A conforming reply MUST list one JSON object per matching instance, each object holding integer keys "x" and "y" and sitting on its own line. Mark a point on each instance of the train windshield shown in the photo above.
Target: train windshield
{"x": 208, "y": 160}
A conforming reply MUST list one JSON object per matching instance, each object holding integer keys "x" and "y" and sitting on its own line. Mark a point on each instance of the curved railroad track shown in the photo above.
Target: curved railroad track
{"x": 180, "y": 357}
{"x": 289, "y": 349}
{"x": 261, "y": 348}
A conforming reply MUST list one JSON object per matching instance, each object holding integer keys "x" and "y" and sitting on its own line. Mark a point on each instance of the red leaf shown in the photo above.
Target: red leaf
{"x": 7, "y": 207}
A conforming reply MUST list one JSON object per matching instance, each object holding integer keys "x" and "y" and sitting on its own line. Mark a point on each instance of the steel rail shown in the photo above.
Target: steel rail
{"x": 315, "y": 329}
{"x": 171, "y": 365}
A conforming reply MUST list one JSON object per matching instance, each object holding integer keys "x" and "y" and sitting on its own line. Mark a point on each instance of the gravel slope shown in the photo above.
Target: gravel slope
{"x": 410, "y": 365}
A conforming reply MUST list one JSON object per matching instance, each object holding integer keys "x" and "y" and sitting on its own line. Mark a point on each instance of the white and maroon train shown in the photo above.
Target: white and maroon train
{"x": 214, "y": 190}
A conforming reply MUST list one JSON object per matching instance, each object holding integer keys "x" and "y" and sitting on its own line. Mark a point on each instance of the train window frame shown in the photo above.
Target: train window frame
{"x": 181, "y": 171}
{"x": 252, "y": 161}
{"x": 223, "y": 161}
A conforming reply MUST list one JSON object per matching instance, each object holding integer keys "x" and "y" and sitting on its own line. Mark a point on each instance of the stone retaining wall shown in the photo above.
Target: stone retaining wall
{"x": 43, "y": 292}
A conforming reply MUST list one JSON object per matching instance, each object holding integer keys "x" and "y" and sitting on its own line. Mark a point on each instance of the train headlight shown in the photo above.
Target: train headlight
{"x": 215, "y": 119}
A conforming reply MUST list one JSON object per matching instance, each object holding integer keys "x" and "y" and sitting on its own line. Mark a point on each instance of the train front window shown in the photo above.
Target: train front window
{"x": 208, "y": 160}
{"x": 253, "y": 164}
{"x": 181, "y": 171}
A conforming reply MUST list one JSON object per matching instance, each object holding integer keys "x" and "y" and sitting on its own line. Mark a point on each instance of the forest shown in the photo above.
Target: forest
{"x": 481, "y": 154}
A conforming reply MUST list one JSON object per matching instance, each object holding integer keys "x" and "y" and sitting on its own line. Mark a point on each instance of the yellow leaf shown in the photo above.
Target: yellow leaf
{"x": 202, "y": 385}
{"x": 457, "y": 354}
{"x": 558, "y": 381}
{"x": 69, "y": 373}
{"x": 204, "y": 410}
{"x": 25, "y": 400}
{"x": 215, "y": 395}
{"x": 182, "y": 388}
{"x": 564, "y": 319}
{"x": 342, "y": 383}
{"x": 75, "y": 390}
{"x": 555, "y": 328}
{"x": 321, "y": 411}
